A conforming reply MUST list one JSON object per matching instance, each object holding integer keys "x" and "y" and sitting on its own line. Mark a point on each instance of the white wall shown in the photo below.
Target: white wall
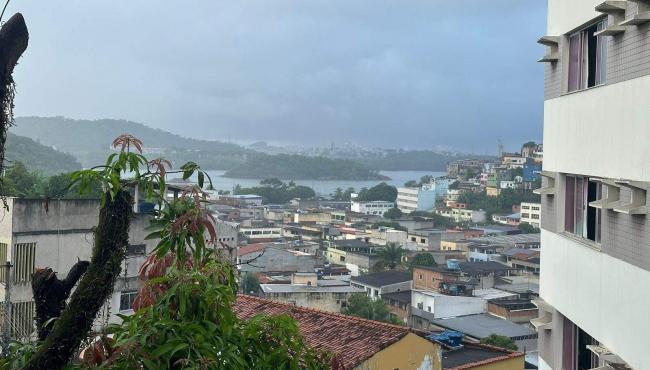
{"x": 567, "y": 15}
{"x": 600, "y": 132}
{"x": 443, "y": 306}
{"x": 605, "y": 296}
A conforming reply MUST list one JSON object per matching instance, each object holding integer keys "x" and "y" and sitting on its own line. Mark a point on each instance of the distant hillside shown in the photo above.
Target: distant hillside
{"x": 89, "y": 141}
{"x": 413, "y": 160}
{"x": 37, "y": 157}
{"x": 297, "y": 167}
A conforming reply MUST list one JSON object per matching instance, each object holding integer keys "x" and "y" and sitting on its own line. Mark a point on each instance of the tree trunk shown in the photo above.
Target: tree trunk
{"x": 50, "y": 294}
{"x": 13, "y": 42}
{"x": 95, "y": 287}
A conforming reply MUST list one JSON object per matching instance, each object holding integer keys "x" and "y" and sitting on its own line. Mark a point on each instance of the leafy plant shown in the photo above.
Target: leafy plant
{"x": 500, "y": 341}
{"x": 361, "y": 305}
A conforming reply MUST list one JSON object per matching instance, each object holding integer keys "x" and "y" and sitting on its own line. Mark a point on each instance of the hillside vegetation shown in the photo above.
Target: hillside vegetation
{"x": 89, "y": 141}
{"x": 38, "y": 157}
{"x": 297, "y": 167}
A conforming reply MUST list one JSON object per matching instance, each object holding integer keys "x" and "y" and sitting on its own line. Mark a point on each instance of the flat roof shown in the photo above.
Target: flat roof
{"x": 507, "y": 239}
{"x": 482, "y": 325}
{"x": 289, "y": 288}
{"x": 492, "y": 293}
{"x": 403, "y": 296}
{"x": 383, "y": 278}
{"x": 473, "y": 354}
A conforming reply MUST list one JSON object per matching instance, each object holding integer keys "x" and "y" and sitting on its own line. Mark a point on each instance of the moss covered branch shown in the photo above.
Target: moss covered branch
{"x": 95, "y": 287}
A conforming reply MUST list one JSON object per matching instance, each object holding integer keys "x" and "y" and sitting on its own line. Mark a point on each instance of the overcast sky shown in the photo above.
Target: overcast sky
{"x": 417, "y": 74}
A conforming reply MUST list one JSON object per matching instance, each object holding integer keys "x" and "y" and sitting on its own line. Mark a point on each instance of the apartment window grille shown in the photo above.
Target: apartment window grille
{"x": 24, "y": 261}
{"x": 22, "y": 319}
{"x": 136, "y": 250}
{"x": 587, "y": 57}
{"x": 580, "y": 218}
{"x": 3, "y": 259}
{"x": 127, "y": 298}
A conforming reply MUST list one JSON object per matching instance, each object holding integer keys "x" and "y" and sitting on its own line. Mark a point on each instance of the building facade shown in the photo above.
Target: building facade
{"x": 35, "y": 233}
{"x": 422, "y": 198}
{"x": 595, "y": 255}
{"x": 377, "y": 207}
{"x": 531, "y": 213}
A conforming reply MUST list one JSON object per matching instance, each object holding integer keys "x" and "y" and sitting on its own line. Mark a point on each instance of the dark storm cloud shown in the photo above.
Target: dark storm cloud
{"x": 458, "y": 74}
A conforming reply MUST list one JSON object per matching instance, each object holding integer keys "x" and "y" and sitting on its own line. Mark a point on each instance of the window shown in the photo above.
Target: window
{"x": 587, "y": 58}
{"x": 24, "y": 261}
{"x": 575, "y": 355}
{"x": 3, "y": 260}
{"x": 580, "y": 218}
{"x": 126, "y": 299}
{"x": 22, "y": 319}
{"x": 422, "y": 240}
{"x": 136, "y": 250}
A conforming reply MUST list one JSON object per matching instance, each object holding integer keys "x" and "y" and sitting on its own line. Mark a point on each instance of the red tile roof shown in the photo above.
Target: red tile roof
{"x": 352, "y": 339}
{"x": 246, "y": 249}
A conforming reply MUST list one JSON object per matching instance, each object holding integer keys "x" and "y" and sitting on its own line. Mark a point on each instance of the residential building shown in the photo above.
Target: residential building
{"x": 459, "y": 278}
{"x": 273, "y": 257}
{"x": 377, "y": 207}
{"x": 430, "y": 238}
{"x": 463, "y": 215}
{"x": 509, "y": 219}
{"x": 37, "y": 233}
{"x": 482, "y": 325}
{"x": 476, "y": 356}
{"x": 242, "y": 199}
{"x": 465, "y": 168}
{"x": 513, "y": 160}
{"x": 595, "y": 230}
{"x": 427, "y": 305}
{"x": 531, "y": 213}
{"x": 356, "y": 343}
{"x": 357, "y": 255}
{"x": 399, "y": 305}
{"x": 379, "y": 283}
{"x": 422, "y": 198}
{"x": 306, "y": 290}
{"x": 387, "y": 235}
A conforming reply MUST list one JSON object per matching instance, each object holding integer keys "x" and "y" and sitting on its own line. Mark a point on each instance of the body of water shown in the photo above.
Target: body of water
{"x": 324, "y": 187}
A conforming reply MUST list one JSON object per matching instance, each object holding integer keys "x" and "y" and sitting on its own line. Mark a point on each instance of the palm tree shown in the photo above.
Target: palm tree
{"x": 391, "y": 255}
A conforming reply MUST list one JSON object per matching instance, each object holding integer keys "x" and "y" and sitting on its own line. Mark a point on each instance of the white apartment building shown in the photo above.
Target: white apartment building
{"x": 422, "y": 198}
{"x": 463, "y": 215}
{"x": 595, "y": 253}
{"x": 35, "y": 234}
{"x": 531, "y": 213}
{"x": 376, "y": 207}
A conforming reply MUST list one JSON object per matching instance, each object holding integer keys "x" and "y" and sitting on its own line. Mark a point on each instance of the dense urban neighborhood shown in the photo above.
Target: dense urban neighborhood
{"x": 128, "y": 247}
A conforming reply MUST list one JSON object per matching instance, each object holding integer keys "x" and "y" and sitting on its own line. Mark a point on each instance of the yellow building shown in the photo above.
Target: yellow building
{"x": 454, "y": 245}
{"x": 356, "y": 343}
{"x": 492, "y": 192}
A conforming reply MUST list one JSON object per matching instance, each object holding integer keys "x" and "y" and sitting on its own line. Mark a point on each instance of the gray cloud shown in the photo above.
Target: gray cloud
{"x": 416, "y": 74}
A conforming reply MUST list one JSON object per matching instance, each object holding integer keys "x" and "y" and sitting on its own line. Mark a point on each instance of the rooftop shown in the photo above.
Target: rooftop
{"x": 403, "y": 296}
{"x": 475, "y": 355}
{"x": 482, "y": 325}
{"x": 472, "y": 268}
{"x": 379, "y": 279}
{"x": 301, "y": 288}
{"x": 492, "y": 293}
{"x": 508, "y": 239}
{"x": 352, "y": 339}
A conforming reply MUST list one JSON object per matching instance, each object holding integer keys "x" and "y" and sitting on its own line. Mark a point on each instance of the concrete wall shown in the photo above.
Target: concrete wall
{"x": 443, "y": 306}
{"x": 409, "y": 353}
{"x": 331, "y": 302}
{"x": 601, "y": 294}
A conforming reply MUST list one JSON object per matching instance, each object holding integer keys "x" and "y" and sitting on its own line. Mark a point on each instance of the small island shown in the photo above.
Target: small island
{"x": 299, "y": 167}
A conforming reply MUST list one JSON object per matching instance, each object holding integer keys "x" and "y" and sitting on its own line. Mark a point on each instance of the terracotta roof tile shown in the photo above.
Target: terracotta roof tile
{"x": 352, "y": 339}
{"x": 246, "y": 249}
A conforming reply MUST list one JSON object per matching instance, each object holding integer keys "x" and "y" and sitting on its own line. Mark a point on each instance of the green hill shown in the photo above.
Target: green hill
{"x": 89, "y": 141}
{"x": 298, "y": 167}
{"x": 38, "y": 157}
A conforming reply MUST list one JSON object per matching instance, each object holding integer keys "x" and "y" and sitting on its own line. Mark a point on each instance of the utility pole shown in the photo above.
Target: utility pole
{"x": 6, "y": 325}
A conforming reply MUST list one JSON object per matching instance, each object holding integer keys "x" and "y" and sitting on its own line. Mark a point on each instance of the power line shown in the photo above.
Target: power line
{"x": 3, "y": 10}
